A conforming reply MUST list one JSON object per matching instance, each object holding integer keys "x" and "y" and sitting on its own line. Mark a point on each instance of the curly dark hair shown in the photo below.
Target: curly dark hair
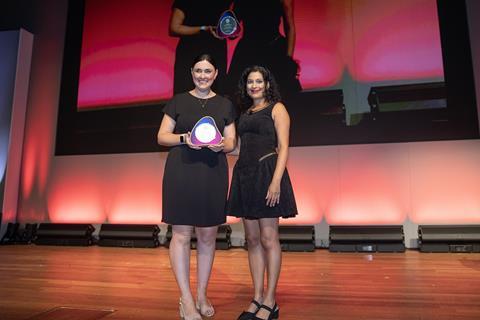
{"x": 272, "y": 95}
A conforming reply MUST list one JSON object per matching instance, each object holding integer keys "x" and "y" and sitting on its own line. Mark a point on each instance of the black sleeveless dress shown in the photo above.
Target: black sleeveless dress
{"x": 254, "y": 170}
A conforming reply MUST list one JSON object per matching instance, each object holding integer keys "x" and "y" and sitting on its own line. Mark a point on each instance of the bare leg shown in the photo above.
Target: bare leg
{"x": 180, "y": 261}
{"x": 256, "y": 259}
{"x": 206, "y": 238}
{"x": 271, "y": 245}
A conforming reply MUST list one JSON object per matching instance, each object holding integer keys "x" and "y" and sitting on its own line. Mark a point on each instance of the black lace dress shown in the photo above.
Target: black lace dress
{"x": 254, "y": 170}
{"x": 263, "y": 45}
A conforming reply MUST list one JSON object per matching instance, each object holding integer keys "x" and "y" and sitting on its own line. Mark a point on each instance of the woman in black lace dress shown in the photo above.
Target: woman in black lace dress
{"x": 261, "y": 191}
{"x": 263, "y": 44}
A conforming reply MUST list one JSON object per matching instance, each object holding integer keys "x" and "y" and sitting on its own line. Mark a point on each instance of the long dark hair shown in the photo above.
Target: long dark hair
{"x": 206, "y": 57}
{"x": 272, "y": 95}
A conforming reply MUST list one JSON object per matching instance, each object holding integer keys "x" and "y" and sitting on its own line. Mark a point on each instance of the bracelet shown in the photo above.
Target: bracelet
{"x": 203, "y": 28}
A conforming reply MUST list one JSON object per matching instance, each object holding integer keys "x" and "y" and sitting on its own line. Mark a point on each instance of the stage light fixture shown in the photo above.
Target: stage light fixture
{"x": 26, "y": 233}
{"x": 297, "y": 238}
{"x": 29, "y": 233}
{"x": 449, "y": 238}
{"x": 10, "y": 234}
{"x": 129, "y": 235}
{"x": 367, "y": 239}
{"x": 407, "y": 97}
{"x": 64, "y": 234}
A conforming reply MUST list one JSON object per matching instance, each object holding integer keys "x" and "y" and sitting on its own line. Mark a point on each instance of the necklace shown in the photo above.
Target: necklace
{"x": 203, "y": 102}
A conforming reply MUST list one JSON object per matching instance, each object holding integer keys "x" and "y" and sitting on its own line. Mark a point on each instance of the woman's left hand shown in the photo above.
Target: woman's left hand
{"x": 273, "y": 194}
{"x": 217, "y": 147}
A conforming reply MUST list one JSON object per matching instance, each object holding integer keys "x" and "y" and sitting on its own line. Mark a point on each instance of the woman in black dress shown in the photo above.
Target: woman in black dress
{"x": 195, "y": 182}
{"x": 263, "y": 44}
{"x": 261, "y": 191}
{"x": 194, "y": 23}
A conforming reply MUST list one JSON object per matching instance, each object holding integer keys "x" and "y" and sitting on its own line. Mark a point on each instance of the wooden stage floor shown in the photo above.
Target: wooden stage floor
{"x": 138, "y": 284}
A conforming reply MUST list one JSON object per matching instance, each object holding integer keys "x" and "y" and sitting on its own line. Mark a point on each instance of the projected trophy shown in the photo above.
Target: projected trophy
{"x": 228, "y": 25}
{"x": 205, "y": 133}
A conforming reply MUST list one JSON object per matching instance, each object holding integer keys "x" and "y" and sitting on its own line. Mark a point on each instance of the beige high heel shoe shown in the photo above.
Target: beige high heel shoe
{"x": 180, "y": 309}
{"x": 182, "y": 312}
{"x": 209, "y": 313}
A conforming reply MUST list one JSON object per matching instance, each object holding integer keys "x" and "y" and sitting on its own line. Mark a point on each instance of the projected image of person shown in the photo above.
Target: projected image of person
{"x": 193, "y": 22}
{"x": 261, "y": 191}
{"x": 195, "y": 181}
{"x": 263, "y": 44}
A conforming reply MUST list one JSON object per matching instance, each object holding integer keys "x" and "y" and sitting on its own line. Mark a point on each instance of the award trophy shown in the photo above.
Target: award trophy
{"x": 205, "y": 133}
{"x": 228, "y": 25}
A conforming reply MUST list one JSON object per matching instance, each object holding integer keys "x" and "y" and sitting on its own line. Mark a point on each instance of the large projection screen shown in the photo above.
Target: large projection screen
{"x": 370, "y": 71}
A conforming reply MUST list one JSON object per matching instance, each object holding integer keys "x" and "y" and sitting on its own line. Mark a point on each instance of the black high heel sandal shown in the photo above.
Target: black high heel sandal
{"x": 246, "y": 315}
{"x": 274, "y": 312}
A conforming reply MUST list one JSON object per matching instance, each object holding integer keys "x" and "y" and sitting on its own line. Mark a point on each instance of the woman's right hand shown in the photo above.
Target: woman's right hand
{"x": 213, "y": 32}
{"x": 189, "y": 142}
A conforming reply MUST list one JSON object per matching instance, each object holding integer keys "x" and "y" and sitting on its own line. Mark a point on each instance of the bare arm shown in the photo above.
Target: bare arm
{"x": 281, "y": 120}
{"x": 230, "y": 138}
{"x": 165, "y": 136}
{"x": 289, "y": 26}
{"x": 236, "y": 150}
{"x": 178, "y": 29}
